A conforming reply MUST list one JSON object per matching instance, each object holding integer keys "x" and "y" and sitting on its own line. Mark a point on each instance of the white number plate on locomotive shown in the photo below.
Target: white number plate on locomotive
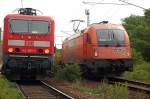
{"x": 119, "y": 50}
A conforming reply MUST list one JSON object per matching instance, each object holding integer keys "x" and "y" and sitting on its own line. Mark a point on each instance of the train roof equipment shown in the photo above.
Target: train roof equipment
{"x": 28, "y": 11}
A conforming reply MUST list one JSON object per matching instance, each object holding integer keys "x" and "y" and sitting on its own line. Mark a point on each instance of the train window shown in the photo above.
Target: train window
{"x": 18, "y": 26}
{"x": 39, "y": 27}
{"x": 88, "y": 39}
{"x": 29, "y": 26}
{"x": 110, "y": 36}
{"x": 118, "y": 35}
{"x": 104, "y": 35}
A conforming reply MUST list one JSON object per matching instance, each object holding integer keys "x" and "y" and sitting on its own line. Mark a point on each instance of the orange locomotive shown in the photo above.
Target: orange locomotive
{"x": 28, "y": 45}
{"x": 101, "y": 48}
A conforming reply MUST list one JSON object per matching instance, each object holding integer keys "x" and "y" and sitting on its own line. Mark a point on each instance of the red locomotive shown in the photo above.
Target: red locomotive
{"x": 28, "y": 45}
{"x": 101, "y": 48}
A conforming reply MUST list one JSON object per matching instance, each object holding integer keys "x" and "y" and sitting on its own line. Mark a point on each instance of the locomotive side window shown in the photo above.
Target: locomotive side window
{"x": 111, "y": 37}
{"x": 29, "y": 26}
{"x": 88, "y": 39}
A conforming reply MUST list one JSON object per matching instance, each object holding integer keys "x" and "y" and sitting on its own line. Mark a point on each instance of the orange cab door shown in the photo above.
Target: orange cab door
{"x": 86, "y": 45}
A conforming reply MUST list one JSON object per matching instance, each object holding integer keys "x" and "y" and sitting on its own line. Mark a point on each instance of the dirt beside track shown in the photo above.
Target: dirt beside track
{"x": 69, "y": 89}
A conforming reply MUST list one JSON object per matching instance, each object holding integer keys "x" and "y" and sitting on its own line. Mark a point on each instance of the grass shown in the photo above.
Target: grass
{"x": 104, "y": 90}
{"x": 141, "y": 72}
{"x": 107, "y": 91}
{"x": 8, "y": 89}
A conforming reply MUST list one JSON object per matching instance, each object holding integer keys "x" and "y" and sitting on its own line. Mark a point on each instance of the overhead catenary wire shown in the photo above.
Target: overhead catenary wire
{"x": 94, "y": 3}
{"x": 122, "y": 4}
{"x": 133, "y": 4}
{"x": 66, "y": 32}
{"x": 114, "y": 13}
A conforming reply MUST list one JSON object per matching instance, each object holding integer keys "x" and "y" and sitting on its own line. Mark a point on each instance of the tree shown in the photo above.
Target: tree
{"x": 138, "y": 28}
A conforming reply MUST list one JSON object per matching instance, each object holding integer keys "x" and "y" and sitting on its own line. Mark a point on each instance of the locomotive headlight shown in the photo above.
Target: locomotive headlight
{"x": 46, "y": 51}
{"x": 95, "y": 53}
{"x": 128, "y": 54}
{"x": 10, "y": 50}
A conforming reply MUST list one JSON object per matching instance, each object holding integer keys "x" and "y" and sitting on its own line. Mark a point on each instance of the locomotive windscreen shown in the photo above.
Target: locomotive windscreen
{"x": 111, "y": 37}
{"x": 29, "y": 26}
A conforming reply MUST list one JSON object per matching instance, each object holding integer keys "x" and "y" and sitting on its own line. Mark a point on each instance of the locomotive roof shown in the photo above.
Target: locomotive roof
{"x": 98, "y": 26}
{"x": 107, "y": 26}
{"x": 15, "y": 16}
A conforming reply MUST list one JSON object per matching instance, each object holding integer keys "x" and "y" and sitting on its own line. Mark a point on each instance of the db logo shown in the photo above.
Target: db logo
{"x": 28, "y": 43}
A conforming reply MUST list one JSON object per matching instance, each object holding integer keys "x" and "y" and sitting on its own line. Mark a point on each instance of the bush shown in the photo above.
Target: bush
{"x": 137, "y": 57}
{"x": 68, "y": 72}
{"x": 141, "y": 72}
{"x": 116, "y": 91}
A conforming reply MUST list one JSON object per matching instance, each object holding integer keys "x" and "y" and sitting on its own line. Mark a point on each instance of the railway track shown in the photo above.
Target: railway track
{"x": 132, "y": 85}
{"x": 40, "y": 90}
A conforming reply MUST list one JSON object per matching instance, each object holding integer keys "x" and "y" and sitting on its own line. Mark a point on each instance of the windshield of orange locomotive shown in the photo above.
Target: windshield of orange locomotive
{"x": 110, "y": 37}
{"x": 29, "y": 26}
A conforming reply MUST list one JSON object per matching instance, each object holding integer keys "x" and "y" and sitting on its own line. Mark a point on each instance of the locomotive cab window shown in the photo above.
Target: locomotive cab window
{"x": 18, "y": 26}
{"x": 29, "y": 26}
{"x": 111, "y": 37}
{"x": 39, "y": 27}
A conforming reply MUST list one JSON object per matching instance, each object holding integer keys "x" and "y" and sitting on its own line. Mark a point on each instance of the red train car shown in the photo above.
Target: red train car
{"x": 101, "y": 48}
{"x": 28, "y": 45}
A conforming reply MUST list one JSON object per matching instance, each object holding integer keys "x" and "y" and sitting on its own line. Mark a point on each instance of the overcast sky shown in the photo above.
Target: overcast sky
{"x": 63, "y": 11}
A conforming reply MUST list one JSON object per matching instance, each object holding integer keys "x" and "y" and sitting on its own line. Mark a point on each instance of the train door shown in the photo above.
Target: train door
{"x": 86, "y": 45}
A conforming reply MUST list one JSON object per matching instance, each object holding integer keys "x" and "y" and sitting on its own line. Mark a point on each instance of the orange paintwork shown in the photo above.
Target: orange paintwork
{"x": 77, "y": 50}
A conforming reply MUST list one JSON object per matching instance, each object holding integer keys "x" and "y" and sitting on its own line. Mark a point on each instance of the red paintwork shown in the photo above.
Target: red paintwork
{"x": 77, "y": 50}
{"x": 29, "y": 41}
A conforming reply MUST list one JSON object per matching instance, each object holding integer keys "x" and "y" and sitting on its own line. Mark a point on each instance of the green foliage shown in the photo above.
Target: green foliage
{"x": 69, "y": 72}
{"x": 8, "y": 89}
{"x": 138, "y": 28}
{"x": 59, "y": 50}
{"x": 57, "y": 57}
{"x": 105, "y": 91}
{"x": 141, "y": 72}
{"x": 116, "y": 91}
{"x": 56, "y": 69}
{"x": 147, "y": 15}
{"x": 137, "y": 57}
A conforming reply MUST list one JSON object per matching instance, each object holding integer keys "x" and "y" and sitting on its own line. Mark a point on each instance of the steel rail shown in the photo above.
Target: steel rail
{"x": 57, "y": 92}
{"x": 21, "y": 91}
{"x": 132, "y": 85}
{"x": 41, "y": 90}
{"x": 34, "y": 91}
